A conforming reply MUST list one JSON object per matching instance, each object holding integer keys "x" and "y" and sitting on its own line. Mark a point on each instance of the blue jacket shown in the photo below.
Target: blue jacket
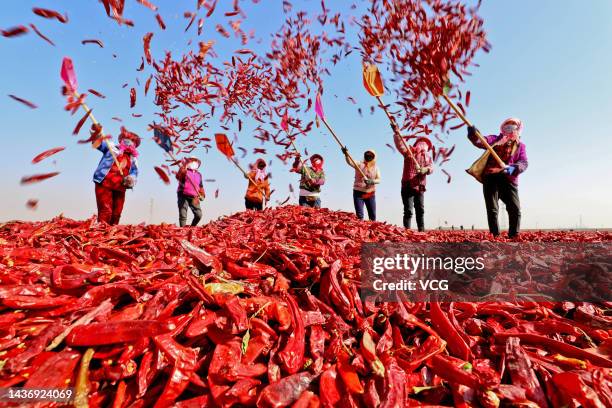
{"x": 106, "y": 162}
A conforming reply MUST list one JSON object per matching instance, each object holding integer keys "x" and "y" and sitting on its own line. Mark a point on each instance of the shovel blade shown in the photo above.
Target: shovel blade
{"x": 224, "y": 145}
{"x": 68, "y": 75}
{"x": 372, "y": 81}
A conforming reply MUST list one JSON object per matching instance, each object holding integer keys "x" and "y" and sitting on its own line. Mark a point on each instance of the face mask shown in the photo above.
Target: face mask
{"x": 192, "y": 165}
{"x": 127, "y": 142}
{"x": 421, "y": 147}
{"x": 261, "y": 166}
{"x": 510, "y": 131}
{"x": 368, "y": 157}
{"x": 316, "y": 163}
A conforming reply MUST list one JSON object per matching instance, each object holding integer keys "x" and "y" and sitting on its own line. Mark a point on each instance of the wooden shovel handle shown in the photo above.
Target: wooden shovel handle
{"x": 480, "y": 137}
{"x": 299, "y": 155}
{"x": 382, "y": 105}
{"x": 248, "y": 177}
{"x": 242, "y": 170}
{"x": 95, "y": 122}
{"x": 197, "y": 189}
{"x": 355, "y": 165}
{"x": 369, "y": 77}
{"x": 392, "y": 120}
{"x": 343, "y": 147}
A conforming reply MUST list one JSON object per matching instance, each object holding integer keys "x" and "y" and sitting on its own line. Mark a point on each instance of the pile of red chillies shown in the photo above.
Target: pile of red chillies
{"x": 263, "y": 309}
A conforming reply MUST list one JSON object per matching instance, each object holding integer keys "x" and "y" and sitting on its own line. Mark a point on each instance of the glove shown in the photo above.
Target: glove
{"x": 510, "y": 170}
{"x": 128, "y": 181}
{"x": 369, "y": 182}
{"x": 471, "y": 131}
{"x": 344, "y": 151}
{"x": 424, "y": 170}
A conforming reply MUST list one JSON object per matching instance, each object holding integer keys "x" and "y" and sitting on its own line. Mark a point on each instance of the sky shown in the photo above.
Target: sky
{"x": 549, "y": 65}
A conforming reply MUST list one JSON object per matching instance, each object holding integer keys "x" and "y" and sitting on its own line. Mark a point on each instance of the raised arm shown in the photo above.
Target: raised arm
{"x": 101, "y": 144}
{"x": 471, "y": 134}
{"x": 180, "y": 175}
{"x": 399, "y": 144}
{"x": 346, "y": 158}
{"x": 297, "y": 165}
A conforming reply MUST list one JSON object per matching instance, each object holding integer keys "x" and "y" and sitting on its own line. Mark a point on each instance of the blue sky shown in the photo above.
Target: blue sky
{"x": 549, "y": 66}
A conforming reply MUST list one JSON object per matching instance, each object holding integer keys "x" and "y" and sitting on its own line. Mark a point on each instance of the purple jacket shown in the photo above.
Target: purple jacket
{"x": 518, "y": 159}
{"x": 187, "y": 186}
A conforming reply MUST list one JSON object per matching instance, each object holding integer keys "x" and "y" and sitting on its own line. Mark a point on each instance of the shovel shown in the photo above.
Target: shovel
{"x": 446, "y": 88}
{"x": 69, "y": 77}
{"x": 321, "y": 115}
{"x": 372, "y": 81}
{"x": 225, "y": 147}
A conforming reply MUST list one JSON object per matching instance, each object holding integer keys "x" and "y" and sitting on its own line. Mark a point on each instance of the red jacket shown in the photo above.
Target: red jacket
{"x": 410, "y": 174}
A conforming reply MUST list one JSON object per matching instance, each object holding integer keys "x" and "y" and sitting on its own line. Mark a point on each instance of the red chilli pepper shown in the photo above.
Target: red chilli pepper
{"x": 558, "y": 346}
{"x": 284, "y": 392}
{"x": 185, "y": 360}
{"x": 56, "y": 372}
{"x": 571, "y": 385}
{"x": 96, "y": 334}
{"x": 329, "y": 387}
{"x": 449, "y": 371}
{"x": 349, "y": 375}
{"x": 368, "y": 349}
{"x": 249, "y": 270}
{"x": 292, "y": 356}
{"x": 394, "y": 393}
{"x": 444, "y": 327}
{"x": 521, "y": 372}
{"x": 307, "y": 400}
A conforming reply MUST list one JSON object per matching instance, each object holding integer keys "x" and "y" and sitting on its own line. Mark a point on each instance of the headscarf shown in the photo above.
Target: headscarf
{"x": 127, "y": 135}
{"x": 313, "y": 158}
{"x": 260, "y": 174}
{"x": 192, "y": 159}
{"x": 370, "y": 163}
{"x": 426, "y": 141}
{"x": 515, "y": 121}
